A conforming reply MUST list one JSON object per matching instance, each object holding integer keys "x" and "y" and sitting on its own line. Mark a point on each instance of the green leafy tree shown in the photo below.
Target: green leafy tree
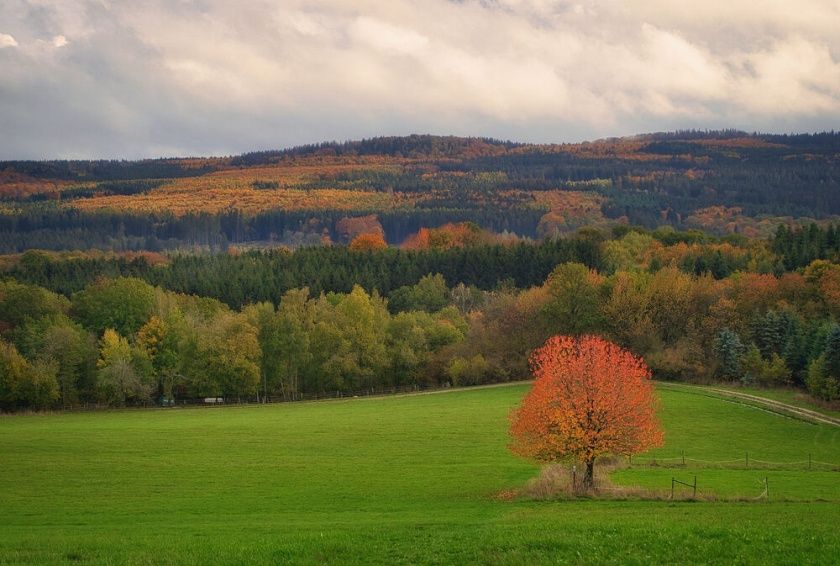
{"x": 124, "y": 304}
{"x": 430, "y": 294}
{"x": 24, "y": 384}
{"x": 760, "y": 371}
{"x": 413, "y": 337}
{"x": 228, "y": 355}
{"x": 21, "y": 303}
{"x": 63, "y": 344}
{"x": 348, "y": 341}
{"x": 295, "y": 323}
{"x": 161, "y": 341}
{"x": 469, "y": 371}
{"x": 574, "y": 300}
{"x": 820, "y": 383}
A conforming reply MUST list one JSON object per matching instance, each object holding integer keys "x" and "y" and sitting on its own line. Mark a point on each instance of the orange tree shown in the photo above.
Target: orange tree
{"x": 590, "y": 398}
{"x": 368, "y": 241}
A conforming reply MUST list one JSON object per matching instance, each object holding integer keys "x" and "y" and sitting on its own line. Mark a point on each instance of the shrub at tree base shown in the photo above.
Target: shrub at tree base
{"x": 590, "y": 398}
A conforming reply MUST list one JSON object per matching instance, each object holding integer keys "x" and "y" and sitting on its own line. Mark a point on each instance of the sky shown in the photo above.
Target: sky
{"x": 133, "y": 79}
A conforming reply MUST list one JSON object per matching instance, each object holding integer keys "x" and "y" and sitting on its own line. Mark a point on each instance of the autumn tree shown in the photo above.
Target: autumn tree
{"x": 349, "y": 229}
{"x": 368, "y": 241}
{"x": 121, "y": 375}
{"x": 590, "y": 398}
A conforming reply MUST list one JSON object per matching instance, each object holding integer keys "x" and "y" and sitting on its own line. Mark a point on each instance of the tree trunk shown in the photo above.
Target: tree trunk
{"x": 589, "y": 475}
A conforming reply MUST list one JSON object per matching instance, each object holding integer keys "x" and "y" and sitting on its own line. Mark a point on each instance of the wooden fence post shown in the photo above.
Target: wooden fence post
{"x": 672, "y": 488}
{"x": 694, "y": 496}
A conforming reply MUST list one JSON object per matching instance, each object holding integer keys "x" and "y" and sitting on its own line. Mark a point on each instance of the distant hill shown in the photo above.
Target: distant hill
{"x": 722, "y": 181}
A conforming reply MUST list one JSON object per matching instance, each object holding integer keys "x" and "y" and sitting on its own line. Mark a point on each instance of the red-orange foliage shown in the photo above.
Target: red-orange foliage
{"x": 590, "y": 398}
{"x": 447, "y": 237}
{"x": 349, "y": 228}
{"x": 370, "y": 241}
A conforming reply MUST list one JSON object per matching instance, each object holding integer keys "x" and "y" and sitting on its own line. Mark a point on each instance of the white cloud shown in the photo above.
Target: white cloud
{"x": 7, "y": 40}
{"x": 232, "y": 76}
{"x": 388, "y": 38}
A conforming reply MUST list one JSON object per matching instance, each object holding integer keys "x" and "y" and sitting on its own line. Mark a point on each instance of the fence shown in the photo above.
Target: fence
{"x": 765, "y": 484}
{"x": 744, "y": 463}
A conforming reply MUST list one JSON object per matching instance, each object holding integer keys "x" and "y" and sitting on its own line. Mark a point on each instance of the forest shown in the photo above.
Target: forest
{"x": 718, "y": 181}
{"x": 416, "y": 262}
{"x": 108, "y": 330}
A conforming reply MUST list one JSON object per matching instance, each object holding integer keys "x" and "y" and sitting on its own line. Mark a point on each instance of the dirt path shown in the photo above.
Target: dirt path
{"x": 762, "y": 402}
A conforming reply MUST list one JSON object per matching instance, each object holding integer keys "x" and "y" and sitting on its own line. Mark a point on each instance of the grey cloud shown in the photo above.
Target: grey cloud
{"x": 91, "y": 78}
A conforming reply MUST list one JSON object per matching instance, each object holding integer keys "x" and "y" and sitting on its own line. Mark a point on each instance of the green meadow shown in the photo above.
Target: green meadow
{"x": 410, "y": 479}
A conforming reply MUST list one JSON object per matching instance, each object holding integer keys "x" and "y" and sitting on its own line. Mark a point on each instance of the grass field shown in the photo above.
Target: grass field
{"x": 410, "y": 479}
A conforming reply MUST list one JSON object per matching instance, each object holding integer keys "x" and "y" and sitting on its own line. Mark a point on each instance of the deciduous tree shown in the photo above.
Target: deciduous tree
{"x": 590, "y": 398}
{"x": 368, "y": 241}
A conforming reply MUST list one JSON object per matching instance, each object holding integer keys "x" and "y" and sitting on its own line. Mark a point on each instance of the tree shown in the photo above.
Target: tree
{"x": 757, "y": 370}
{"x": 472, "y": 371}
{"x": 368, "y": 241}
{"x": 823, "y": 378}
{"x": 20, "y": 303}
{"x": 574, "y": 301}
{"x": 590, "y": 398}
{"x": 430, "y": 294}
{"x": 73, "y": 351}
{"x": 159, "y": 340}
{"x": 728, "y": 350}
{"x": 295, "y": 321}
{"x": 119, "y": 379}
{"x": 123, "y": 304}
{"x": 23, "y": 384}
{"x": 226, "y": 358}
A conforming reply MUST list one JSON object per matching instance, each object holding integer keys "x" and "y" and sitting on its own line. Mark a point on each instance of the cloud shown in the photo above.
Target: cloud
{"x": 220, "y": 76}
{"x": 7, "y": 40}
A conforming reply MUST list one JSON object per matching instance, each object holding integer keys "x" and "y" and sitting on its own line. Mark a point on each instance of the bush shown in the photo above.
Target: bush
{"x": 472, "y": 371}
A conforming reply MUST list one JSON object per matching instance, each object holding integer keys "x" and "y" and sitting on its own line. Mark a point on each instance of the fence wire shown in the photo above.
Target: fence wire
{"x": 746, "y": 462}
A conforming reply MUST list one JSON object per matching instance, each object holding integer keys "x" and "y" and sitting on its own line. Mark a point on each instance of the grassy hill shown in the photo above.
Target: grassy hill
{"x": 394, "y": 480}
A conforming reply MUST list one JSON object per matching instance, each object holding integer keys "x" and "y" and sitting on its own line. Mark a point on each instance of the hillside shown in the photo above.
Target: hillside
{"x": 726, "y": 181}
{"x": 411, "y": 479}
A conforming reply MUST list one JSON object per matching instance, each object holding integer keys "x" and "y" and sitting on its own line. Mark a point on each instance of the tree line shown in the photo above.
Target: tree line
{"x": 254, "y": 276}
{"x": 123, "y": 341}
{"x": 48, "y": 226}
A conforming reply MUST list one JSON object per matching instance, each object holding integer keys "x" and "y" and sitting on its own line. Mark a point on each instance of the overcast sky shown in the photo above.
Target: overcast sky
{"x": 102, "y": 78}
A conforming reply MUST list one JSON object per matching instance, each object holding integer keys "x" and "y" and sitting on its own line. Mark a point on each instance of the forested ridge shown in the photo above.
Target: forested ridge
{"x": 722, "y": 181}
